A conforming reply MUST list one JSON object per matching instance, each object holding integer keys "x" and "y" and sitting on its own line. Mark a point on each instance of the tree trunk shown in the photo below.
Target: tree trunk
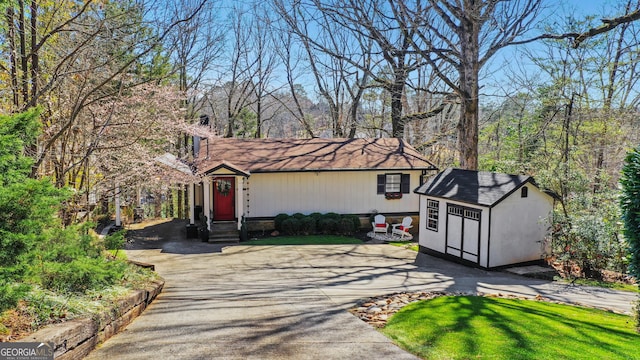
{"x": 11, "y": 39}
{"x": 35, "y": 67}
{"x": 469, "y": 71}
{"x": 397, "y": 123}
{"x": 468, "y": 134}
{"x": 24, "y": 63}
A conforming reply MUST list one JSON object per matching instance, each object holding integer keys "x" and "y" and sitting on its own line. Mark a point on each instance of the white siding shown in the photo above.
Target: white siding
{"x": 431, "y": 239}
{"x": 345, "y": 192}
{"x": 518, "y": 227}
{"x": 437, "y": 240}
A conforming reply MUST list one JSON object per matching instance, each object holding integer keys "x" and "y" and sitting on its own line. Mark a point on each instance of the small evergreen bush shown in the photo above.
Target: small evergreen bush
{"x": 81, "y": 274}
{"x": 308, "y": 225}
{"x": 345, "y": 226}
{"x": 298, "y": 215}
{"x": 327, "y": 225}
{"x": 277, "y": 221}
{"x": 630, "y": 206}
{"x": 355, "y": 220}
{"x": 332, "y": 215}
{"x": 115, "y": 241}
{"x": 291, "y": 226}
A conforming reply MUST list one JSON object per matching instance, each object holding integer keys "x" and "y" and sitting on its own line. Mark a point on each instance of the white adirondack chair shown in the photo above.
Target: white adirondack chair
{"x": 402, "y": 229}
{"x": 380, "y": 224}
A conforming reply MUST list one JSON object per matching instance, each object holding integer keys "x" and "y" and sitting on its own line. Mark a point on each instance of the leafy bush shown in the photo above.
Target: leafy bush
{"x": 81, "y": 274}
{"x": 316, "y": 215}
{"x": 277, "y": 221}
{"x": 355, "y": 220}
{"x": 291, "y": 226}
{"x": 327, "y": 225}
{"x": 115, "y": 241}
{"x": 345, "y": 226}
{"x": 298, "y": 215}
{"x": 587, "y": 235}
{"x": 332, "y": 215}
{"x": 308, "y": 225}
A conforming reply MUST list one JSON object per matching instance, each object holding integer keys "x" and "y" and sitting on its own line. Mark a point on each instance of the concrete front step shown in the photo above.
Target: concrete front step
{"x": 224, "y": 232}
{"x": 224, "y": 241}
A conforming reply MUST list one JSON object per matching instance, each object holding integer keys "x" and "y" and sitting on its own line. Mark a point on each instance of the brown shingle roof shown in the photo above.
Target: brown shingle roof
{"x": 274, "y": 155}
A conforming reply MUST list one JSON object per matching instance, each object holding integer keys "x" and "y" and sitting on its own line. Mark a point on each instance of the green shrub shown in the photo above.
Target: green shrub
{"x": 298, "y": 215}
{"x": 115, "y": 241}
{"x": 277, "y": 221}
{"x": 291, "y": 226}
{"x": 308, "y": 225}
{"x": 630, "y": 206}
{"x": 588, "y": 235}
{"x": 332, "y": 215}
{"x": 10, "y": 294}
{"x": 81, "y": 274}
{"x": 345, "y": 226}
{"x": 355, "y": 220}
{"x": 327, "y": 225}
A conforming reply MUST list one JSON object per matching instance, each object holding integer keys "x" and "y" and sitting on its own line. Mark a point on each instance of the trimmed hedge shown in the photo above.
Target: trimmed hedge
{"x": 314, "y": 223}
{"x": 277, "y": 221}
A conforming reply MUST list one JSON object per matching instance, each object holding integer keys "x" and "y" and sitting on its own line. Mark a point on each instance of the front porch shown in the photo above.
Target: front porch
{"x": 219, "y": 202}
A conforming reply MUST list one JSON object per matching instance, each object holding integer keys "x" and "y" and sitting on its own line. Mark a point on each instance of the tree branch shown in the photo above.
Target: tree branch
{"x": 579, "y": 38}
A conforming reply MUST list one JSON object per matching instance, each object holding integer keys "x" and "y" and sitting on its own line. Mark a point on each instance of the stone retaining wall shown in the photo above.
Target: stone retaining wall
{"x": 76, "y": 338}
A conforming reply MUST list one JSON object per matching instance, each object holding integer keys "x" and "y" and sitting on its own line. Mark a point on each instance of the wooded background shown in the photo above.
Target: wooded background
{"x": 534, "y": 87}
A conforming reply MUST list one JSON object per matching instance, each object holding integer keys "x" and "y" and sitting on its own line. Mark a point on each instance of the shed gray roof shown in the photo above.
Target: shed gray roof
{"x": 475, "y": 187}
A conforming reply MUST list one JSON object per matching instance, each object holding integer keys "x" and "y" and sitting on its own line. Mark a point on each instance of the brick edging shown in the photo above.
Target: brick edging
{"x": 75, "y": 339}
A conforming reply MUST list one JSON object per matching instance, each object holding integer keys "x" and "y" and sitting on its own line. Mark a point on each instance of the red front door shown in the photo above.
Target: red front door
{"x": 224, "y": 191}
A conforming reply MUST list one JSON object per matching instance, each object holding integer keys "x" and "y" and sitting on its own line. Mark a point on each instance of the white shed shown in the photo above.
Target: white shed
{"x": 483, "y": 218}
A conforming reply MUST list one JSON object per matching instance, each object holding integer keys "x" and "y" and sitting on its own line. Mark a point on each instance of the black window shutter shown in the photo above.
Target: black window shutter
{"x": 405, "y": 183}
{"x": 381, "y": 183}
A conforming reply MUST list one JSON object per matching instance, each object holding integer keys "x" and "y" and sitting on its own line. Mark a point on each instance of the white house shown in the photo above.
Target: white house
{"x": 483, "y": 218}
{"x": 256, "y": 179}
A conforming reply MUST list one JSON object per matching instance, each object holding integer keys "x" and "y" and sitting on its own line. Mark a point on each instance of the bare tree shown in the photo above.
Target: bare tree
{"x": 194, "y": 47}
{"x": 465, "y": 35}
{"x": 263, "y": 49}
{"x": 368, "y": 26}
{"x": 294, "y": 103}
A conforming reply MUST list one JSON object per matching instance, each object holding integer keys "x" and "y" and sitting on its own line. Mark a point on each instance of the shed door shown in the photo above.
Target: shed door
{"x": 463, "y": 232}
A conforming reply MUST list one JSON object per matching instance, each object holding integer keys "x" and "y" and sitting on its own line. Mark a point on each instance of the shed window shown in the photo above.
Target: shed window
{"x": 472, "y": 214}
{"x": 455, "y": 210}
{"x": 432, "y": 214}
{"x": 524, "y": 192}
{"x": 394, "y": 183}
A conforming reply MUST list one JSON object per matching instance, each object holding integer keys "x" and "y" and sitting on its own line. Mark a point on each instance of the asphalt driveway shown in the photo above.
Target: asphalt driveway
{"x": 279, "y": 302}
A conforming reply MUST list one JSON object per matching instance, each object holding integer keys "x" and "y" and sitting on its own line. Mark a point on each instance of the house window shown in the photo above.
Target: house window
{"x": 432, "y": 214}
{"x": 394, "y": 183}
{"x": 524, "y": 192}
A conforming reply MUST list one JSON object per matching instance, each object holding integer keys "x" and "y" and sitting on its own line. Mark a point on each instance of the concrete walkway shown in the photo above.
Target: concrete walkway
{"x": 281, "y": 302}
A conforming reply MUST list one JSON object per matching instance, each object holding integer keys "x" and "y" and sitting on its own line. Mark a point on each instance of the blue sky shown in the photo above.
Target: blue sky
{"x": 510, "y": 59}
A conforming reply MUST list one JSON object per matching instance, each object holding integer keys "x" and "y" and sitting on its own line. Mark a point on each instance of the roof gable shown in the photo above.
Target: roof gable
{"x": 475, "y": 187}
{"x": 226, "y": 166}
{"x": 282, "y": 155}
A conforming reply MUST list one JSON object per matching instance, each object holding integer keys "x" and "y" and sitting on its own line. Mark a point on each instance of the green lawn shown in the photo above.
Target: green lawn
{"x": 466, "y": 327}
{"x": 304, "y": 240}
